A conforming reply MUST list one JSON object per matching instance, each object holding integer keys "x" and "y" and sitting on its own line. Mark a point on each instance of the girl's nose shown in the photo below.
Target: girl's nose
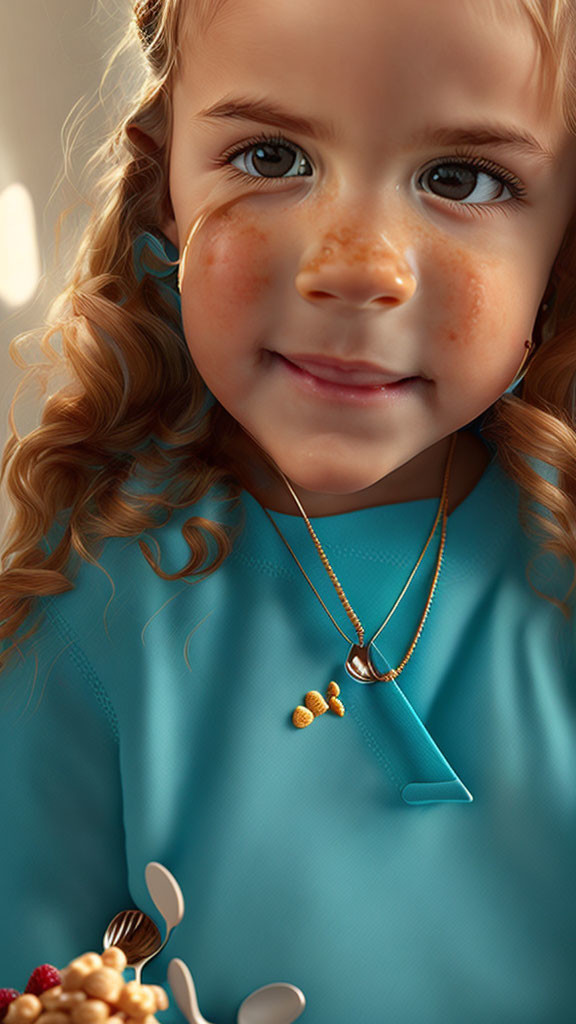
{"x": 357, "y": 275}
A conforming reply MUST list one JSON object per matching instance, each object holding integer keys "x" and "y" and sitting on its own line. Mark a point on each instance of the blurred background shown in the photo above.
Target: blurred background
{"x": 53, "y": 55}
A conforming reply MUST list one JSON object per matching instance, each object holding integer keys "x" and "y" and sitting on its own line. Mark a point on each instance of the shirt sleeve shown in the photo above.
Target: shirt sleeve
{"x": 63, "y": 870}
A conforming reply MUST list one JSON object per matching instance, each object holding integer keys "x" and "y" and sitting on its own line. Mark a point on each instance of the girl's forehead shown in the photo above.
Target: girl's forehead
{"x": 299, "y": 30}
{"x": 310, "y": 15}
{"x": 381, "y": 56}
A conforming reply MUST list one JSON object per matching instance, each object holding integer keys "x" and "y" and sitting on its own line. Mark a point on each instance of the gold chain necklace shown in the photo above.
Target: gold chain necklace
{"x": 358, "y": 663}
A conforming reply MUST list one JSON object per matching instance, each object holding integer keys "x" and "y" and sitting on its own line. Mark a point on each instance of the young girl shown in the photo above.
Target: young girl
{"x": 286, "y": 600}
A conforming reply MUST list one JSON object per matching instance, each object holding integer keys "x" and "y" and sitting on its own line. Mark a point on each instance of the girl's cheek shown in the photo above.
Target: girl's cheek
{"x": 476, "y": 324}
{"x": 229, "y": 280}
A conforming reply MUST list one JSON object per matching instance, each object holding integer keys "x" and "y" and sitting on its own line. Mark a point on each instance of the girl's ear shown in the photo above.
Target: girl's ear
{"x": 147, "y": 144}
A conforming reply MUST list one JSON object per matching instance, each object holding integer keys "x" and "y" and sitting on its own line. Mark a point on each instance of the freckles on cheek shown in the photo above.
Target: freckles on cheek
{"x": 473, "y": 308}
{"x": 228, "y": 278}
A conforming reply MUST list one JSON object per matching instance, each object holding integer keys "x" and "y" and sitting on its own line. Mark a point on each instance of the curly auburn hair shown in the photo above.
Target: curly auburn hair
{"x": 133, "y": 390}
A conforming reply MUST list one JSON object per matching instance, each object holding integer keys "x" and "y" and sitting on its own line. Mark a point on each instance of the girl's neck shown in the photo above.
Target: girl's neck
{"x": 419, "y": 479}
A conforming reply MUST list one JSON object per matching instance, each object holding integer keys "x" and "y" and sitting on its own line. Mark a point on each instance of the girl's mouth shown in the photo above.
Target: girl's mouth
{"x": 367, "y": 394}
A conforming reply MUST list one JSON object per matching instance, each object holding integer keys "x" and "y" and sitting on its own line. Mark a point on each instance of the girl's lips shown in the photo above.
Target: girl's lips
{"x": 350, "y": 374}
{"x": 338, "y": 392}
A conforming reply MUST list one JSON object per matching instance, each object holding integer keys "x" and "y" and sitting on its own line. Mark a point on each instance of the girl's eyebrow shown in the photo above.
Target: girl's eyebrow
{"x": 267, "y": 112}
{"x": 491, "y": 134}
{"x": 247, "y": 109}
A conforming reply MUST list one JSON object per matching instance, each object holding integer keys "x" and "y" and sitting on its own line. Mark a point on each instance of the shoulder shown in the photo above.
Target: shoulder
{"x": 116, "y": 597}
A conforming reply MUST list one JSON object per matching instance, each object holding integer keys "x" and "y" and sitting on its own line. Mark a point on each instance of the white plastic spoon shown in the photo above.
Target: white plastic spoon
{"x": 184, "y": 992}
{"x": 167, "y": 897}
{"x": 279, "y": 1003}
{"x": 166, "y": 894}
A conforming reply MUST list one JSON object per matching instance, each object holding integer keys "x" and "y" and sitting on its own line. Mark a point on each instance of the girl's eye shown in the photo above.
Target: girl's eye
{"x": 463, "y": 179}
{"x": 469, "y": 183}
{"x": 265, "y": 158}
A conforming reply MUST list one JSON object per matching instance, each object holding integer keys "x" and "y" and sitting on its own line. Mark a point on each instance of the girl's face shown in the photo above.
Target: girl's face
{"x": 397, "y": 243}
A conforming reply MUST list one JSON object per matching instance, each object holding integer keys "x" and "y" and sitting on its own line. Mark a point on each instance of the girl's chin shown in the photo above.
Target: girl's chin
{"x": 318, "y": 483}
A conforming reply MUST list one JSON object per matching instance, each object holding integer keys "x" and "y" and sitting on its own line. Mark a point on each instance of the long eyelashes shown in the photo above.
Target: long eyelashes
{"x": 466, "y": 158}
{"x": 463, "y": 158}
{"x": 273, "y": 140}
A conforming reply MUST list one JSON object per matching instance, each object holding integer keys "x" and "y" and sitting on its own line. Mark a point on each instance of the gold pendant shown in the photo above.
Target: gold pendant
{"x": 316, "y": 706}
{"x": 359, "y": 666}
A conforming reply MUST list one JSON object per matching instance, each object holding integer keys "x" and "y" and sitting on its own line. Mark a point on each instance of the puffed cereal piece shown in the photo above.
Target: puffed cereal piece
{"x": 25, "y": 1009}
{"x": 301, "y": 717}
{"x": 333, "y": 690}
{"x": 162, "y": 1002}
{"x": 336, "y": 706}
{"x": 315, "y": 702}
{"x": 114, "y": 957}
{"x": 50, "y": 998}
{"x": 91, "y": 1011}
{"x": 72, "y": 977}
{"x": 104, "y": 983}
{"x": 55, "y": 999}
{"x": 92, "y": 960}
{"x": 136, "y": 1000}
{"x": 53, "y": 1017}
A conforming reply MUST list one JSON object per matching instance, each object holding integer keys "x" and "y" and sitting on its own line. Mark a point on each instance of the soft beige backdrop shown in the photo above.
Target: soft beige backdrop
{"x": 53, "y": 54}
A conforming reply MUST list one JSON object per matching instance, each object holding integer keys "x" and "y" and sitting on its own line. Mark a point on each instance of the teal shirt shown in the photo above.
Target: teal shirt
{"x": 411, "y": 862}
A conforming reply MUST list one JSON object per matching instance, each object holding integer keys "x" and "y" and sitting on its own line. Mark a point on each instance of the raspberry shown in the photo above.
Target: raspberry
{"x": 42, "y": 978}
{"x": 6, "y": 997}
